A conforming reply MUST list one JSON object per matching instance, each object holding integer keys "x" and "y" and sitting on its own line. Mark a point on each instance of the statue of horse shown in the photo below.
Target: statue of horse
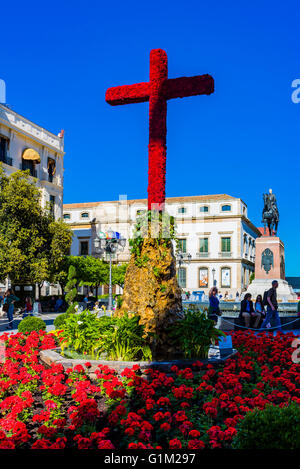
{"x": 270, "y": 216}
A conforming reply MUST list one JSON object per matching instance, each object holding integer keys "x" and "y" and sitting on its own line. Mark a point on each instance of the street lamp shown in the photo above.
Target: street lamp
{"x": 214, "y": 273}
{"x": 109, "y": 242}
{"x": 181, "y": 258}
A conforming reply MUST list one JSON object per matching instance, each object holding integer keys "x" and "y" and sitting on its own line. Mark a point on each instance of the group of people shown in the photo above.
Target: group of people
{"x": 248, "y": 310}
{"x": 8, "y": 306}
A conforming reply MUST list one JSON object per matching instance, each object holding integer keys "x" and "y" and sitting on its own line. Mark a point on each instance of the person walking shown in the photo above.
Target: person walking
{"x": 9, "y": 300}
{"x": 214, "y": 308}
{"x": 272, "y": 307}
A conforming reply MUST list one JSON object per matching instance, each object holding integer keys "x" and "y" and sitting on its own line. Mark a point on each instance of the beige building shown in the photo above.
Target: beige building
{"x": 25, "y": 145}
{"x": 217, "y": 239}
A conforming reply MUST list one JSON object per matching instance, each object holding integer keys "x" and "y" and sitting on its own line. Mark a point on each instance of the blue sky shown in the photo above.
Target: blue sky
{"x": 58, "y": 58}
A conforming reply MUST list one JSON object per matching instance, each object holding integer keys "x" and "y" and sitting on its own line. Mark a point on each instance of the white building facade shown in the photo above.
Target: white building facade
{"x": 216, "y": 237}
{"x": 25, "y": 145}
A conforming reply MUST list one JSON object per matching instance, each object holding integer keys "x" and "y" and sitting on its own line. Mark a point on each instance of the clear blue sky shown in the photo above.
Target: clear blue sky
{"x": 58, "y": 58}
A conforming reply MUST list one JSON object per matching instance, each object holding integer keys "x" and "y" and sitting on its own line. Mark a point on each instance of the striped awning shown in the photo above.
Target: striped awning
{"x": 31, "y": 155}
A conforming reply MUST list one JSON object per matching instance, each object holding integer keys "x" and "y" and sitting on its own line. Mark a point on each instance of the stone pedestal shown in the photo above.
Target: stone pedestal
{"x": 269, "y": 266}
{"x": 152, "y": 291}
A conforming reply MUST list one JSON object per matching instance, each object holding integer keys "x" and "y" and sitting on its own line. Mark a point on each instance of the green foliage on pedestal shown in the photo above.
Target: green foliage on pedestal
{"x": 33, "y": 245}
{"x": 271, "y": 428}
{"x": 158, "y": 225}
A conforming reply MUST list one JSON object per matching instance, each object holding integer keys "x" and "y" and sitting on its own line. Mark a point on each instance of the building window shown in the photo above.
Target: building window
{"x": 203, "y": 245}
{"x": 67, "y": 216}
{"x": 226, "y": 208}
{"x": 84, "y": 248}
{"x": 3, "y": 149}
{"x": 182, "y": 245}
{"x": 182, "y": 210}
{"x": 226, "y": 277}
{"x": 204, "y": 209}
{"x": 182, "y": 277}
{"x": 52, "y": 205}
{"x": 203, "y": 277}
{"x": 226, "y": 244}
{"x": 27, "y": 164}
{"x": 85, "y": 215}
{"x": 51, "y": 169}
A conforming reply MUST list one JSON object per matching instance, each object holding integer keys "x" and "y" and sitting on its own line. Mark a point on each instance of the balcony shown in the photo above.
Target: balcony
{"x": 203, "y": 255}
{"x": 7, "y": 160}
{"x": 225, "y": 255}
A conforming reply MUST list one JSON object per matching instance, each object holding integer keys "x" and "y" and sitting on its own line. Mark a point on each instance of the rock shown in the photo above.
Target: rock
{"x": 151, "y": 290}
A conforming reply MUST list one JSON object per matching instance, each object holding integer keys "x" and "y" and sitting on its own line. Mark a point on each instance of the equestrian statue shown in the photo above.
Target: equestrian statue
{"x": 270, "y": 216}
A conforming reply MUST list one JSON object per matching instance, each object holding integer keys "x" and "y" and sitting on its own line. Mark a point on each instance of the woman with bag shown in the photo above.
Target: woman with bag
{"x": 8, "y": 306}
{"x": 214, "y": 309}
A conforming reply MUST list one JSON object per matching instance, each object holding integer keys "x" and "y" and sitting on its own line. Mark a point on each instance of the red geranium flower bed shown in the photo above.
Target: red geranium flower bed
{"x": 48, "y": 407}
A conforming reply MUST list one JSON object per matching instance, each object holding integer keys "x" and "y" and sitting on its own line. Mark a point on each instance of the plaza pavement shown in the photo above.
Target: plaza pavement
{"x": 47, "y": 317}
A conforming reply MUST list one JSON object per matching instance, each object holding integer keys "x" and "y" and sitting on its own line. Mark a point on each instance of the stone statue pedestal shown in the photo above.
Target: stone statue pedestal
{"x": 269, "y": 266}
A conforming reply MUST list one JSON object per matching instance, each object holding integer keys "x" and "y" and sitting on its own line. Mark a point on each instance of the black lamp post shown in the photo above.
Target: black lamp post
{"x": 109, "y": 243}
{"x": 214, "y": 273}
{"x": 182, "y": 258}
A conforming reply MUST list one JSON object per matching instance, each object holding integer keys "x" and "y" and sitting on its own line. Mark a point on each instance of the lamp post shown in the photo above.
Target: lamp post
{"x": 214, "y": 273}
{"x": 181, "y": 258}
{"x": 109, "y": 242}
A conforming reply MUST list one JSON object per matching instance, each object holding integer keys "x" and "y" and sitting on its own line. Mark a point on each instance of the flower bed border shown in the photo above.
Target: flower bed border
{"x": 53, "y": 356}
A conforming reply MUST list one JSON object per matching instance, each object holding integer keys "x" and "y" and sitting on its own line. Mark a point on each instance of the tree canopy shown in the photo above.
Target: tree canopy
{"x": 33, "y": 245}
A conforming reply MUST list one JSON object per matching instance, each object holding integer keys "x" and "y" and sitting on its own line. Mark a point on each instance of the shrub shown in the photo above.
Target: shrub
{"x": 30, "y": 324}
{"x": 60, "y": 320}
{"x": 194, "y": 334}
{"x": 124, "y": 339}
{"x": 71, "y": 289}
{"x": 272, "y": 428}
{"x": 110, "y": 337}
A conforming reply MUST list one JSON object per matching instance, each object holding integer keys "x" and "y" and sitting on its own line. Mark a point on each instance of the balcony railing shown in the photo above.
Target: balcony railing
{"x": 203, "y": 255}
{"x": 225, "y": 254}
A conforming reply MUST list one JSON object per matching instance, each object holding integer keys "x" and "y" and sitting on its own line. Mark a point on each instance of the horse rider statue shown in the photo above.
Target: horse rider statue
{"x": 270, "y": 216}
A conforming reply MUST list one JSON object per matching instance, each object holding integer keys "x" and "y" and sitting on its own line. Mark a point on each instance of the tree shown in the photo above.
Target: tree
{"x": 71, "y": 289}
{"x": 95, "y": 272}
{"x": 33, "y": 245}
{"x": 118, "y": 274}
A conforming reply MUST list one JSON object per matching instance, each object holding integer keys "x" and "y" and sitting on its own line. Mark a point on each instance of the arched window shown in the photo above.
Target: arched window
{"x": 226, "y": 208}
{"x": 67, "y": 216}
{"x": 204, "y": 209}
{"x": 85, "y": 215}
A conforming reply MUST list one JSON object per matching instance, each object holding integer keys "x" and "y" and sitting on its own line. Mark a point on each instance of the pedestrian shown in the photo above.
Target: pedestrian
{"x": 214, "y": 308}
{"x": 9, "y": 300}
{"x": 272, "y": 307}
{"x": 58, "y": 304}
{"x": 247, "y": 309}
{"x": 28, "y": 307}
{"x": 259, "y": 306}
